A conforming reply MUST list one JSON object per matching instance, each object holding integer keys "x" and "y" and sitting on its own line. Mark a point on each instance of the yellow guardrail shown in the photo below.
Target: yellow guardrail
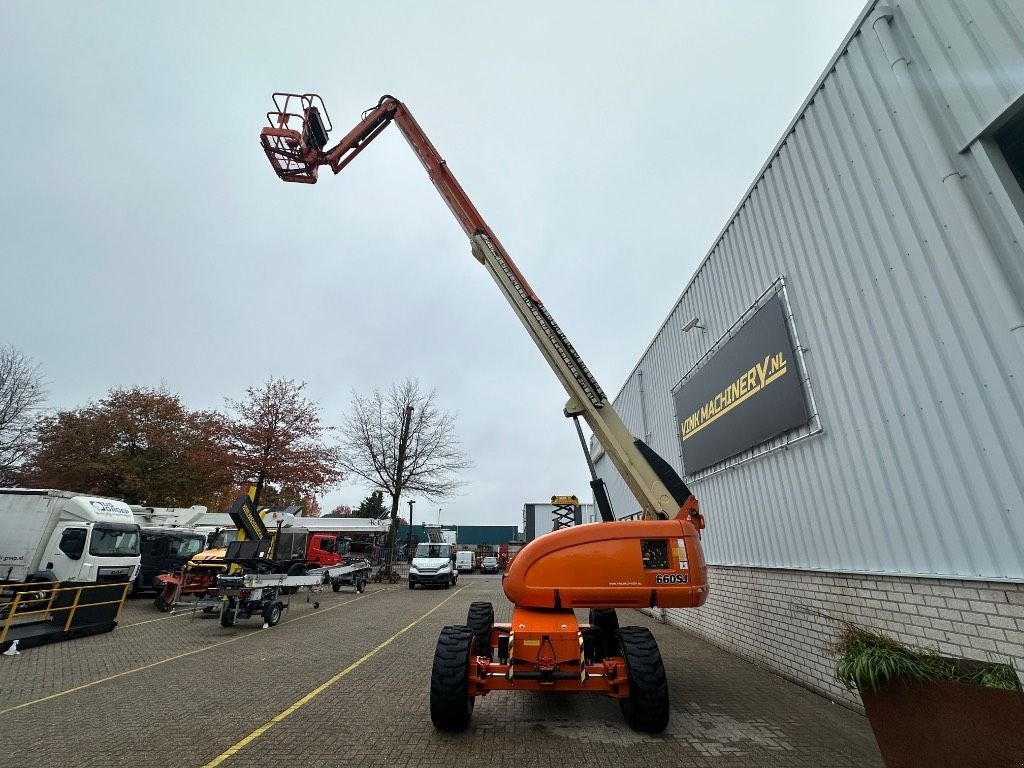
{"x": 28, "y": 594}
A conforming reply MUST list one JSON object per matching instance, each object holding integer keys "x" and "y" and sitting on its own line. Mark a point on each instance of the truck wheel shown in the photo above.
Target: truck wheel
{"x": 412, "y": 584}
{"x": 480, "y": 620}
{"x": 295, "y": 569}
{"x": 361, "y": 586}
{"x": 336, "y": 586}
{"x": 161, "y": 604}
{"x": 227, "y": 615}
{"x": 606, "y": 624}
{"x": 272, "y": 613}
{"x": 451, "y": 706}
{"x": 646, "y": 709}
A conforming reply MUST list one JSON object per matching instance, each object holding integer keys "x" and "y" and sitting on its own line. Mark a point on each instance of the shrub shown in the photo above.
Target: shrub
{"x": 868, "y": 660}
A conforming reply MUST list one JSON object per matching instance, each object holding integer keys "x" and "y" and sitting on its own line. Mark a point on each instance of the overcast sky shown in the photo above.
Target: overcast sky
{"x": 144, "y": 239}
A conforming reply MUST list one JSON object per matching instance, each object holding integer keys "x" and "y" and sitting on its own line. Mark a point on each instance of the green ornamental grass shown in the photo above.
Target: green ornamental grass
{"x": 868, "y": 660}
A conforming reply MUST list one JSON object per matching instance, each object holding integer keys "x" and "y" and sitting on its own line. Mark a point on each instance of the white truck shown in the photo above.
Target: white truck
{"x": 48, "y": 535}
{"x": 433, "y": 564}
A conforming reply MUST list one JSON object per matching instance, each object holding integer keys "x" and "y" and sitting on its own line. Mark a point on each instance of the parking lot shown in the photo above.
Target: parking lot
{"x": 347, "y": 684}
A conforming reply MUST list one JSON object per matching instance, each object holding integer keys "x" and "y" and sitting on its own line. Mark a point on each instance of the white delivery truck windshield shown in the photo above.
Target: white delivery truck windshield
{"x": 114, "y": 541}
{"x": 434, "y": 550}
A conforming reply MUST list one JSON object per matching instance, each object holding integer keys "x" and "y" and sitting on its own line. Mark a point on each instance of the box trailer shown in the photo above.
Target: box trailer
{"x": 50, "y": 535}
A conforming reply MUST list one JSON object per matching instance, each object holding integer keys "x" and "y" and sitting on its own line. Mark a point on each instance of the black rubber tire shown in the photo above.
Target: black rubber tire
{"x": 360, "y": 586}
{"x": 451, "y": 706}
{"x": 606, "y": 623}
{"x": 295, "y": 569}
{"x": 161, "y": 604}
{"x": 412, "y": 584}
{"x": 336, "y": 586}
{"x": 272, "y": 613}
{"x": 647, "y": 708}
{"x": 480, "y": 620}
{"x": 227, "y": 615}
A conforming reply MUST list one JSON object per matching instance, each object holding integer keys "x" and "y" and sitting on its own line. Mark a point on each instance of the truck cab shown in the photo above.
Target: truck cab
{"x": 433, "y": 563}
{"x": 50, "y": 535}
{"x": 165, "y": 549}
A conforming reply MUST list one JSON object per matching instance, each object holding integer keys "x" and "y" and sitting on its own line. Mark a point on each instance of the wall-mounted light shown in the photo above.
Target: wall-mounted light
{"x": 691, "y": 324}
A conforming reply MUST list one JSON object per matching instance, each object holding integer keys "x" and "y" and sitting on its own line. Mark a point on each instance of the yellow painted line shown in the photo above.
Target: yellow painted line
{"x": 82, "y": 687}
{"x": 237, "y": 747}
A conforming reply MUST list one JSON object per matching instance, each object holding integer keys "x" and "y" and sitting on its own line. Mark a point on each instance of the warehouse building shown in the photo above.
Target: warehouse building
{"x": 841, "y": 382}
{"x": 483, "y": 536}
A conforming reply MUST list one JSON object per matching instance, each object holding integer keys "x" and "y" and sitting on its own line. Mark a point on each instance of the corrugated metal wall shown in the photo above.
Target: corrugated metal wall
{"x": 917, "y": 376}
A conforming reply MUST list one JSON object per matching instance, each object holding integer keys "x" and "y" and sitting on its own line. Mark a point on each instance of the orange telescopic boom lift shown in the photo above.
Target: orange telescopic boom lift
{"x": 655, "y": 561}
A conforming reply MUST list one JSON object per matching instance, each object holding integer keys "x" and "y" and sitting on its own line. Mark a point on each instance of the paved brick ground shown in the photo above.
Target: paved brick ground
{"x": 188, "y": 690}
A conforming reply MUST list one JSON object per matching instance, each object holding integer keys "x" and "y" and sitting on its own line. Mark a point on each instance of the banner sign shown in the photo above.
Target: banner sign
{"x": 746, "y": 393}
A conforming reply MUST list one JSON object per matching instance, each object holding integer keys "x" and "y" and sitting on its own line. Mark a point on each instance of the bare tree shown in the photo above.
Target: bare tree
{"x": 21, "y": 394}
{"x": 401, "y": 441}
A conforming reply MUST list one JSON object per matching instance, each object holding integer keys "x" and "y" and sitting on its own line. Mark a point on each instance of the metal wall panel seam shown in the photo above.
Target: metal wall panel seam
{"x": 954, "y": 286}
{"x": 806, "y": 255}
{"x": 832, "y": 247}
{"x": 955, "y": 206}
{"x": 932, "y": 42}
{"x": 788, "y": 499}
{"x": 989, "y": 33}
{"x": 908, "y": 196}
{"x": 829, "y": 339}
{"x": 1007, "y": 215}
{"x": 853, "y": 266}
{"x": 849, "y": 235}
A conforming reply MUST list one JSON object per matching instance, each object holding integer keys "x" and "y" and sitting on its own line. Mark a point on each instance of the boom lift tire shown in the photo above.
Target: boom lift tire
{"x": 480, "y": 620}
{"x": 451, "y": 706}
{"x": 272, "y": 613}
{"x": 606, "y": 623}
{"x": 646, "y": 710}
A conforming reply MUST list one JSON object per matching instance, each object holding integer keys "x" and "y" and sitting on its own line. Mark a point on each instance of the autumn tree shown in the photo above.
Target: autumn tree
{"x": 342, "y": 510}
{"x": 21, "y": 394}
{"x": 281, "y": 497}
{"x": 141, "y": 445}
{"x": 401, "y": 441}
{"x": 275, "y": 440}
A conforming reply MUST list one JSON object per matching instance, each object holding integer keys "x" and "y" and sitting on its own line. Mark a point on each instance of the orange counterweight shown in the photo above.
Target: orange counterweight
{"x": 625, "y": 564}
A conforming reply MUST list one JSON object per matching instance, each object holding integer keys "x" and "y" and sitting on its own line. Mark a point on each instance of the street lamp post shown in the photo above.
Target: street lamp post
{"x": 408, "y": 542}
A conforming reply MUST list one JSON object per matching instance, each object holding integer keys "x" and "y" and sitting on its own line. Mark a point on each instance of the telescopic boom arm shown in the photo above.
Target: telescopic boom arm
{"x": 296, "y": 145}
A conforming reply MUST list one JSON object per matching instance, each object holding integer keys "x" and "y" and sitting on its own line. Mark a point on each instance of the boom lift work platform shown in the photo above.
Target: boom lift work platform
{"x": 649, "y": 562}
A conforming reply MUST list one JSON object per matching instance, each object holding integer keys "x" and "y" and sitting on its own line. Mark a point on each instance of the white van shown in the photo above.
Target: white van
{"x": 432, "y": 564}
{"x": 464, "y": 561}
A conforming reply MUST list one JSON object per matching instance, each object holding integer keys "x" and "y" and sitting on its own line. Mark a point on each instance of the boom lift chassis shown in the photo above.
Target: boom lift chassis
{"x": 656, "y": 561}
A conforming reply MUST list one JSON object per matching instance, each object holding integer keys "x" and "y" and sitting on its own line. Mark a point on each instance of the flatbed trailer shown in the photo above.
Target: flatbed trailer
{"x": 246, "y": 595}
